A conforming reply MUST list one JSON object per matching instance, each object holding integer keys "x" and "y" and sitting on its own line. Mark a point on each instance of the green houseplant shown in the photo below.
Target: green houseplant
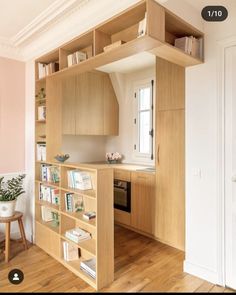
{"x": 10, "y": 190}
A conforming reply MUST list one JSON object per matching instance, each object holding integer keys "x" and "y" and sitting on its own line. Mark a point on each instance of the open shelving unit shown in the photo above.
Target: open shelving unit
{"x": 101, "y": 246}
{"x": 163, "y": 27}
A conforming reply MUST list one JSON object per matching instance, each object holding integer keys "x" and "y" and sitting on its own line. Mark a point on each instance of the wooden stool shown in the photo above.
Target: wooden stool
{"x": 7, "y": 220}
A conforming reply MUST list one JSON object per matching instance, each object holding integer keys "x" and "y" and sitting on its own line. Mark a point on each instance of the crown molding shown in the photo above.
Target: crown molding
{"x": 56, "y": 11}
{"x": 8, "y": 50}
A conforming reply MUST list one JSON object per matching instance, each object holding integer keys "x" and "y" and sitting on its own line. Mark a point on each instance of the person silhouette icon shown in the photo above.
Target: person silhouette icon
{"x": 16, "y": 277}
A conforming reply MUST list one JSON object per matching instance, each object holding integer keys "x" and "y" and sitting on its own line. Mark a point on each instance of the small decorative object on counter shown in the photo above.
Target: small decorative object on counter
{"x": 62, "y": 158}
{"x": 9, "y": 192}
{"x": 113, "y": 158}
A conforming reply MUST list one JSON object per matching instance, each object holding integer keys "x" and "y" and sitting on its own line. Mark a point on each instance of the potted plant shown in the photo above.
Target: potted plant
{"x": 9, "y": 192}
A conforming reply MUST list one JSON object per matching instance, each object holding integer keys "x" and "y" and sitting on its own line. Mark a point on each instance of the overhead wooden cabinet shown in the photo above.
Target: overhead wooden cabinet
{"x": 89, "y": 104}
{"x": 143, "y": 201}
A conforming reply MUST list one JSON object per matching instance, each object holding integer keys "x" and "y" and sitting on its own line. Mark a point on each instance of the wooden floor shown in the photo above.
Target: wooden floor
{"x": 141, "y": 264}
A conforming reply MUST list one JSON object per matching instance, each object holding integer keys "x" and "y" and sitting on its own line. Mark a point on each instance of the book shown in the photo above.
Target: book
{"x": 76, "y": 58}
{"x": 50, "y": 173}
{"x": 113, "y": 45}
{"x": 77, "y": 235}
{"x": 89, "y": 266}
{"x": 42, "y": 113}
{"x": 78, "y": 179}
{"x": 70, "y": 252}
{"x": 89, "y": 215}
{"x": 190, "y": 45}
{"x": 142, "y": 28}
{"x": 49, "y": 194}
{"x": 74, "y": 203}
{"x": 41, "y": 151}
{"x": 45, "y": 69}
{"x": 46, "y": 214}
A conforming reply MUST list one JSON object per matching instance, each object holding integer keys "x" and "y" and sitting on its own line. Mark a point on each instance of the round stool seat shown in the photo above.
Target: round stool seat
{"x": 7, "y": 220}
{"x": 15, "y": 217}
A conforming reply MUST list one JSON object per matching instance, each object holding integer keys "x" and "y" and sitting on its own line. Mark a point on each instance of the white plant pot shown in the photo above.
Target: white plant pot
{"x": 7, "y": 209}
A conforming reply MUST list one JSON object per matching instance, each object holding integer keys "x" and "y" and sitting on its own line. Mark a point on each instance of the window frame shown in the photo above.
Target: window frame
{"x": 137, "y": 155}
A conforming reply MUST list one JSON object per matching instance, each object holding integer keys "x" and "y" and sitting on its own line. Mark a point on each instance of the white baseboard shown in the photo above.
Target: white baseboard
{"x": 201, "y": 272}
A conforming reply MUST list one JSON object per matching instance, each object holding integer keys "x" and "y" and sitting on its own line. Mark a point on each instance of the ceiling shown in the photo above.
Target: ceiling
{"x": 15, "y": 15}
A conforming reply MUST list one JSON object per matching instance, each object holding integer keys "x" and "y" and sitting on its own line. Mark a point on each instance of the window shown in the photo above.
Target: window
{"x": 144, "y": 120}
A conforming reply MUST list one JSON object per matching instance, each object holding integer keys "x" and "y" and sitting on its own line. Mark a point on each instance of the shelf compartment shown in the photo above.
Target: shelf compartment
{"x": 78, "y": 217}
{"x": 47, "y": 204}
{"x": 51, "y": 57}
{"x": 88, "y": 246}
{"x": 175, "y": 55}
{"x": 121, "y": 27}
{"x": 83, "y": 43}
{"x": 74, "y": 266}
{"x": 49, "y": 226}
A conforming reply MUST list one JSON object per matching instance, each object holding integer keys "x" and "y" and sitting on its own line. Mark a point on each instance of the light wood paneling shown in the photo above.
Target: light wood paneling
{"x": 156, "y": 20}
{"x": 122, "y": 175}
{"x": 47, "y": 240}
{"x": 143, "y": 201}
{"x": 89, "y": 104}
{"x": 111, "y": 108}
{"x": 54, "y": 117}
{"x": 122, "y": 217}
{"x": 68, "y": 105}
{"x": 170, "y": 86}
{"x": 101, "y": 40}
{"x": 105, "y": 236}
{"x": 170, "y": 195}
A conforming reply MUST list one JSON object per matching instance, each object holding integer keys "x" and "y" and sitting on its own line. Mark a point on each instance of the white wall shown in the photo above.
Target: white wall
{"x": 84, "y": 148}
{"x": 202, "y": 191}
{"x": 124, "y": 87}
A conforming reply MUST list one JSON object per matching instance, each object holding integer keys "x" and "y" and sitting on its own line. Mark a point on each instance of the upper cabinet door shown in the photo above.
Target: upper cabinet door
{"x": 68, "y": 106}
{"x": 111, "y": 108}
{"x": 89, "y": 104}
{"x": 170, "y": 86}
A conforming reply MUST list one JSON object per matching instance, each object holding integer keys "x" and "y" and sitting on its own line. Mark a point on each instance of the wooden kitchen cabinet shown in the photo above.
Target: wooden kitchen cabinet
{"x": 89, "y": 105}
{"x": 143, "y": 201}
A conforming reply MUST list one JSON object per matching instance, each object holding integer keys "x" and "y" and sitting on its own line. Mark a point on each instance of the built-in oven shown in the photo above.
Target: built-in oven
{"x": 122, "y": 195}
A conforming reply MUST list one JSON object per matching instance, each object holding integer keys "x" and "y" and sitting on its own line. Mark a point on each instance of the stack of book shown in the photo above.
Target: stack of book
{"x": 41, "y": 151}
{"x": 42, "y": 113}
{"x": 89, "y": 215}
{"x": 49, "y": 194}
{"x": 76, "y": 57}
{"x": 50, "y": 173}
{"x": 74, "y": 203}
{"x": 47, "y": 69}
{"x": 77, "y": 235}
{"x": 70, "y": 252}
{"x": 79, "y": 180}
{"x": 46, "y": 214}
{"x": 89, "y": 267}
{"x": 190, "y": 45}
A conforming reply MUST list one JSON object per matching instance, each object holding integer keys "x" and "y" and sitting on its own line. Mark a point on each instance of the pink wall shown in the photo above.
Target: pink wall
{"x": 12, "y": 116}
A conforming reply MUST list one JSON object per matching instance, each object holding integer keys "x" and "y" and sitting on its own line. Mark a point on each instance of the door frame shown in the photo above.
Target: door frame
{"x": 222, "y": 46}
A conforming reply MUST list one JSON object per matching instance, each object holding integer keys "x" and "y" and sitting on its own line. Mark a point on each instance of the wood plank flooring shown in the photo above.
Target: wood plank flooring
{"x": 141, "y": 264}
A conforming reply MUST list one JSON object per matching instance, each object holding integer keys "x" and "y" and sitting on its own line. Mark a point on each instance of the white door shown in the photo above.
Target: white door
{"x": 230, "y": 166}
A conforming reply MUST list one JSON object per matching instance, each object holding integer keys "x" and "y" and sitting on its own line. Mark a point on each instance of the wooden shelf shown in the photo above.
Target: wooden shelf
{"x": 88, "y": 193}
{"x": 47, "y": 204}
{"x": 49, "y": 225}
{"x": 41, "y": 100}
{"x": 89, "y": 245}
{"x": 41, "y": 121}
{"x": 74, "y": 266}
{"x": 79, "y": 217}
{"x": 50, "y": 184}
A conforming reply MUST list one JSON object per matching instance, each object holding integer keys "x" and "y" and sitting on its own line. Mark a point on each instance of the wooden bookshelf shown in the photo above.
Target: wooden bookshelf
{"x": 163, "y": 27}
{"x": 99, "y": 199}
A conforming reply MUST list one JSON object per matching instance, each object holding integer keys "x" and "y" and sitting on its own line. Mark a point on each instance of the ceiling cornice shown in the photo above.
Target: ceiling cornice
{"x": 44, "y": 20}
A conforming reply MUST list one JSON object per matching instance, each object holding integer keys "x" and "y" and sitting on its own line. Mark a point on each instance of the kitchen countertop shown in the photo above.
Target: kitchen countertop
{"x": 124, "y": 166}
